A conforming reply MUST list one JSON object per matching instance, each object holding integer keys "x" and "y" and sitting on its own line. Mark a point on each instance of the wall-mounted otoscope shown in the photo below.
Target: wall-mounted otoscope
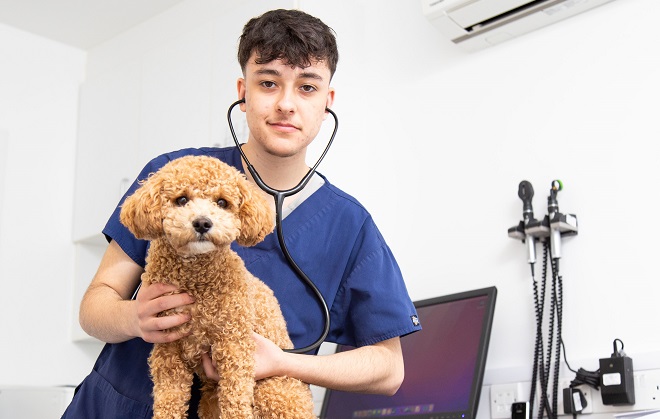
{"x": 529, "y": 230}
{"x": 560, "y": 224}
{"x": 521, "y": 231}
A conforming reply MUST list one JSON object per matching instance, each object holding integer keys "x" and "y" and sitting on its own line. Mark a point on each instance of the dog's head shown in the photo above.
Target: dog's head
{"x": 199, "y": 204}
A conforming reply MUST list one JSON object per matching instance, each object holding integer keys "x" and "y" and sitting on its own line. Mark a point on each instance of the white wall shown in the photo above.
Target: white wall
{"x": 39, "y": 82}
{"x": 437, "y": 141}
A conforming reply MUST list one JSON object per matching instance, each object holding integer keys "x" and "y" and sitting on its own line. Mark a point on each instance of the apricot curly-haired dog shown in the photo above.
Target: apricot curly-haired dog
{"x": 191, "y": 210}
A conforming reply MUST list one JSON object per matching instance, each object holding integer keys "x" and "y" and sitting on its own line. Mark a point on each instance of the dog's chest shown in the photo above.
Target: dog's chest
{"x": 217, "y": 282}
{"x": 217, "y": 301}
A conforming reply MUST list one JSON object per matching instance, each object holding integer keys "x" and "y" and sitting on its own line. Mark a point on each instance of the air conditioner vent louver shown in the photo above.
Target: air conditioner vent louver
{"x": 476, "y": 24}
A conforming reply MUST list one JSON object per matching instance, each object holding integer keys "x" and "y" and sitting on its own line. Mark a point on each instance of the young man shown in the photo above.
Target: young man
{"x": 288, "y": 59}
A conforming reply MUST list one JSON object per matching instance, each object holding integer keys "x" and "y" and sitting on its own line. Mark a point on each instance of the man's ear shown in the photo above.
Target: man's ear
{"x": 330, "y": 100}
{"x": 257, "y": 217}
{"x": 141, "y": 212}
{"x": 241, "y": 88}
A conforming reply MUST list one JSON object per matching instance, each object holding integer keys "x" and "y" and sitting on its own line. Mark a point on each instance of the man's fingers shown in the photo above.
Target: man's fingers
{"x": 167, "y": 302}
{"x": 167, "y": 335}
{"x": 209, "y": 367}
{"x": 168, "y": 322}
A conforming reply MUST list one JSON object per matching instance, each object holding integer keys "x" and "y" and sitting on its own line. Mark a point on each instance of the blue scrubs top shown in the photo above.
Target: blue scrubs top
{"x": 335, "y": 242}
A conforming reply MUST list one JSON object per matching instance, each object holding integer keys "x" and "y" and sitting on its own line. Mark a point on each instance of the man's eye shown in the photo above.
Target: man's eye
{"x": 308, "y": 88}
{"x": 222, "y": 203}
{"x": 181, "y": 201}
{"x": 268, "y": 84}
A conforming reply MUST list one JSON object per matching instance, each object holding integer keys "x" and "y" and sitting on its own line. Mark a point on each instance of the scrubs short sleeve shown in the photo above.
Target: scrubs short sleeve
{"x": 372, "y": 303}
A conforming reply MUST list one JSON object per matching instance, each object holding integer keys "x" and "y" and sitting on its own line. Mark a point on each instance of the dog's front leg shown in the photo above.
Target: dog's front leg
{"x": 235, "y": 362}
{"x": 172, "y": 382}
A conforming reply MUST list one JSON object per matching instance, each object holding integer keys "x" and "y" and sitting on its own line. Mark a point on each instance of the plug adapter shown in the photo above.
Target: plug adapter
{"x": 520, "y": 410}
{"x": 617, "y": 384}
{"x": 574, "y": 401}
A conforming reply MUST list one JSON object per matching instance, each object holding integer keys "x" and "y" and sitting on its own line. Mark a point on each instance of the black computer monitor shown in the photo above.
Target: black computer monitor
{"x": 444, "y": 364}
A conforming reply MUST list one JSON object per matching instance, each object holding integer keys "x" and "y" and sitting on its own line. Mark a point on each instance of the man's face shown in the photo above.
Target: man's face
{"x": 284, "y": 105}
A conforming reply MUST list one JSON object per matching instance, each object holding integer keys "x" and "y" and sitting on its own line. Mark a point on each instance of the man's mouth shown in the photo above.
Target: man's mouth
{"x": 283, "y": 126}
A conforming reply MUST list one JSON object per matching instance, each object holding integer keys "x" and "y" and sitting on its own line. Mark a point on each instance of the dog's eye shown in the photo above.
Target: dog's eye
{"x": 181, "y": 201}
{"x": 222, "y": 203}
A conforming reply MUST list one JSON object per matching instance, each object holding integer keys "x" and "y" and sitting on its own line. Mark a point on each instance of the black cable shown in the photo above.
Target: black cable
{"x": 544, "y": 404}
{"x": 615, "y": 351}
{"x": 538, "y": 342}
{"x": 582, "y": 376}
{"x": 566, "y": 360}
{"x": 551, "y": 335}
{"x": 590, "y": 378}
{"x": 541, "y": 361}
{"x": 539, "y": 332}
{"x": 306, "y": 280}
{"x": 558, "y": 290}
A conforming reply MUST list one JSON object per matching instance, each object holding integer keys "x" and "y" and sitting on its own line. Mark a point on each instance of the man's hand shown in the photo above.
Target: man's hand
{"x": 267, "y": 359}
{"x": 151, "y": 301}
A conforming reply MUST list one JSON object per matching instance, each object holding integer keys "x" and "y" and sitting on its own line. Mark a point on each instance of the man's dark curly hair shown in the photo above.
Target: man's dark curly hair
{"x": 290, "y": 35}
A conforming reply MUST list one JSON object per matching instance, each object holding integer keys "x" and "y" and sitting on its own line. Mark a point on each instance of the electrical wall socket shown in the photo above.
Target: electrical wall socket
{"x": 502, "y": 396}
{"x": 648, "y": 395}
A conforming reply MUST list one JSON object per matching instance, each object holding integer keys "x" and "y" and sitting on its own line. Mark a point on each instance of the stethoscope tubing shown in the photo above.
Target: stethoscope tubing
{"x": 279, "y": 195}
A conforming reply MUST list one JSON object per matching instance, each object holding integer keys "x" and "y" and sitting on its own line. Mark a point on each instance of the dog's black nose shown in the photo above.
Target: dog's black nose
{"x": 202, "y": 224}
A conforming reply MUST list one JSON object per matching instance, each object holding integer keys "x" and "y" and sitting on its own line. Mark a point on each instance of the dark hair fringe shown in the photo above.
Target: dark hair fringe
{"x": 293, "y": 36}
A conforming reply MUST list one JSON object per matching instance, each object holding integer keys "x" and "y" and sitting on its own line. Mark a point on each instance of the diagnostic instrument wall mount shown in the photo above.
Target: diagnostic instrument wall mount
{"x": 549, "y": 231}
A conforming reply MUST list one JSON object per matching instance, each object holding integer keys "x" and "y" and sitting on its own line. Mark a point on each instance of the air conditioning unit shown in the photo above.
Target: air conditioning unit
{"x": 477, "y": 24}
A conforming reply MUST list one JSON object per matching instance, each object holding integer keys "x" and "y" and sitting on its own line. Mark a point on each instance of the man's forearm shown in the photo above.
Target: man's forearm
{"x": 376, "y": 369}
{"x": 106, "y": 311}
{"x": 106, "y": 316}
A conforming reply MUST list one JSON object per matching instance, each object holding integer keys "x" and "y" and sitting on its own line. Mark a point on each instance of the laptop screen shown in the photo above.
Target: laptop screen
{"x": 444, "y": 364}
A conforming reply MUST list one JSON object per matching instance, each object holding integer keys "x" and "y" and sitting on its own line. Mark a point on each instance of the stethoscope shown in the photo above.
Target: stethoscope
{"x": 279, "y": 196}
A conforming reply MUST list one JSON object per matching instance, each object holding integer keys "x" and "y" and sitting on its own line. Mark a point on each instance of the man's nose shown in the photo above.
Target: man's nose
{"x": 286, "y": 102}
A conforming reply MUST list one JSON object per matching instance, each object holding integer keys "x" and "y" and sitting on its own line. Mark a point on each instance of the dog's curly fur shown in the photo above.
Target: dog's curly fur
{"x": 192, "y": 209}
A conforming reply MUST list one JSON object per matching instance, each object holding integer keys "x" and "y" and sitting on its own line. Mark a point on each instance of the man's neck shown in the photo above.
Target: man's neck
{"x": 280, "y": 173}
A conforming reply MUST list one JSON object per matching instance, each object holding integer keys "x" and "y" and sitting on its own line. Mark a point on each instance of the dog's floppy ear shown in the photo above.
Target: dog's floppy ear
{"x": 141, "y": 212}
{"x": 257, "y": 217}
